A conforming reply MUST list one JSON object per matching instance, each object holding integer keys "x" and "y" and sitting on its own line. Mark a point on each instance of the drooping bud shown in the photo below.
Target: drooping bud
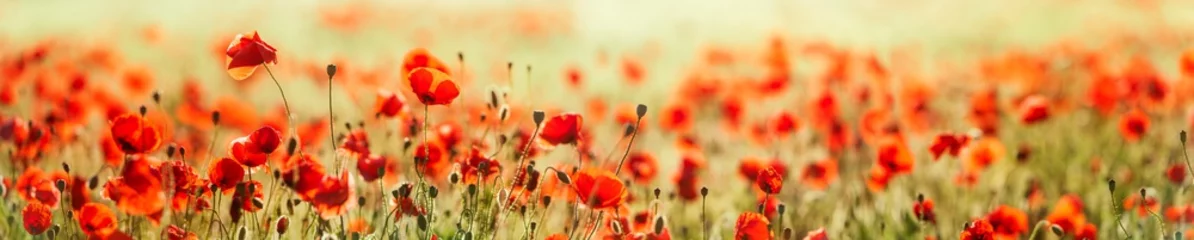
{"x": 563, "y": 177}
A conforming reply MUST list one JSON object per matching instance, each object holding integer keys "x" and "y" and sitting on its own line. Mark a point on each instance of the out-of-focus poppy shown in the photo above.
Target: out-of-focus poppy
{"x": 878, "y": 178}
{"x": 1143, "y": 82}
{"x": 978, "y": 230}
{"x": 769, "y": 204}
{"x": 752, "y": 226}
{"x": 79, "y": 193}
{"x": 389, "y": 104}
{"x": 784, "y": 124}
{"x": 984, "y": 110}
{"x": 138, "y": 190}
{"x": 557, "y": 236}
{"x": 677, "y": 117}
{"x": 1180, "y": 214}
{"x": 371, "y": 167}
{"x": 982, "y": 153}
{"x": 177, "y": 233}
{"x": 237, "y": 113}
{"x": 134, "y": 134}
{"x": 924, "y": 211}
{"x": 769, "y": 181}
{"x": 1087, "y": 232}
{"x": 331, "y": 197}
{"x": 1142, "y": 207}
{"x": 818, "y": 234}
{"x": 1033, "y": 109}
{"x": 1176, "y": 173}
{"x": 358, "y": 225}
{"x": 421, "y": 58}
{"x": 1067, "y": 214}
{"x": 750, "y": 167}
{"x": 948, "y": 143}
{"x": 477, "y": 167}
{"x": 687, "y": 178}
{"x": 266, "y": 139}
{"x": 820, "y": 174}
{"x": 632, "y": 70}
{"x": 1105, "y": 92}
{"x": 599, "y": 188}
{"x": 562, "y": 129}
{"x": 37, "y": 218}
{"x": 303, "y": 174}
{"x": 245, "y": 53}
{"x": 96, "y": 220}
{"x": 433, "y": 87}
{"x": 1134, "y": 125}
{"x": 252, "y": 190}
{"x": 893, "y": 156}
{"x": 226, "y": 173}
{"x": 432, "y": 159}
{"x": 733, "y": 112}
{"x": 1187, "y": 63}
{"x": 1008, "y": 222}
{"x": 113, "y": 155}
{"x": 34, "y": 185}
{"x": 642, "y": 166}
{"x": 449, "y": 133}
{"x": 356, "y": 142}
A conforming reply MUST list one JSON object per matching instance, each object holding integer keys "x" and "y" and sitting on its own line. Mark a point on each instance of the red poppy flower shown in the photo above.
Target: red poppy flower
{"x": 749, "y": 168}
{"x": 1142, "y": 207}
{"x": 1133, "y": 125}
{"x": 79, "y": 193}
{"x": 433, "y": 87}
{"x": 642, "y": 166}
{"x": 138, "y": 190}
{"x": 246, "y": 198}
{"x": 134, "y": 134}
{"x": 266, "y": 139}
{"x": 331, "y": 197}
{"x": 226, "y": 173}
{"x": 113, "y": 155}
{"x": 421, "y": 58}
{"x": 1176, "y": 173}
{"x": 1187, "y": 63}
{"x": 818, "y": 234}
{"x": 599, "y": 188}
{"x": 752, "y": 226}
{"x": 948, "y": 143}
{"x": 406, "y": 207}
{"x": 562, "y": 129}
{"x": 1008, "y": 222}
{"x": 177, "y": 233}
{"x": 924, "y": 211}
{"x": 677, "y": 117}
{"x": 1034, "y": 109}
{"x": 303, "y": 174}
{"x": 389, "y": 104}
{"x": 448, "y": 133}
{"x": 356, "y": 142}
{"x": 820, "y": 174}
{"x": 770, "y": 205}
{"x": 37, "y": 218}
{"x": 432, "y": 159}
{"x": 893, "y": 156}
{"x": 984, "y": 110}
{"x": 371, "y": 166}
{"x": 1179, "y": 214}
{"x": 96, "y": 220}
{"x": 733, "y": 110}
{"x": 245, "y": 152}
{"x": 878, "y": 179}
{"x": 477, "y": 166}
{"x": 245, "y": 53}
{"x": 687, "y": 178}
{"x": 982, "y": 153}
{"x": 785, "y": 124}
{"x": 769, "y": 181}
{"x": 557, "y": 236}
{"x": 1067, "y": 214}
{"x": 36, "y": 186}
{"x": 978, "y": 230}
{"x": 1087, "y": 232}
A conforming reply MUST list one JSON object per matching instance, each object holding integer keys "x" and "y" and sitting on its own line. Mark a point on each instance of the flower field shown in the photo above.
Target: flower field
{"x": 579, "y": 120}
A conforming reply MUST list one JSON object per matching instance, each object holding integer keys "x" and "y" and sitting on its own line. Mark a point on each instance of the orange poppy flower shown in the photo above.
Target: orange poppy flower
{"x": 303, "y": 174}
{"x": 1067, "y": 213}
{"x": 750, "y": 167}
{"x": 948, "y": 143}
{"x": 1105, "y": 92}
{"x": 642, "y": 166}
{"x": 924, "y": 211}
{"x": 432, "y": 159}
{"x": 984, "y": 110}
{"x": 237, "y": 113}
{"x": 245, "y": 53}
{"x": 599, "y": 188}
{"x": 477, "y": 166}
{"x": 1176, "y": 173}
{"x": 134, "y": 134}
{"x": 562, "y": 129}
{"x": 893, "y": 156}
{"x": 177, "y": 233}
{"x": 818, "y": 234}
{"x": 389, "y": 104}
{"x": 785, "y": 124}
{"x": 877, "y": 179}
{"x": 96, "y": 220}
{"x": 557, "y": 236}
{"x": 677, "y": 117}
{"x": 1008, "y": 222}
{"x": 978, "y": 230}
{"x": 37, "y": 218}
{"x": 1087, "y": 232}
{"x": 421, "y": 58}
{"x": 244, "y": 152}
{"x": 226, "y": 173}
{"x": 1033, "y": 109}
{"x": 769, "y": 181}
{"x": 1179, "y": 214}
{"x": 1142, "y": 207}
{"x": 1133, "y": 125}
{"x": 633, "y": 71}
{"x": 36, "y": 186}
{"x": 331, "y": 196}
{"x": 433, "y": 87}
{"x": 820, "y": 174}
{"x": 752, "y": 226}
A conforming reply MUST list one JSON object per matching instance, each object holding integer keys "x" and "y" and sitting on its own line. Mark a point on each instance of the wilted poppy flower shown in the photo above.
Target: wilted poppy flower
{"x": 433, "y": 87}
{"x": 642, "y": 166}
{"x": 134, "y": 134}
{"x": 389, "y": 104}
{"x": 820, "y": 174}
{"x": 599, "y": 188}
{"x": 37, "y": 218}
{"x": 978, "y": 230}
{"x": 752, "y": 226}
{"x": 1008, "y": 222}
{"x": 562, "y": 129}
{"x": 948, "y": 143}
{"x": 96, "y": 220}
{"x": 769, "y": 181}
{"x": 226, "y": 173}
{"x": 1133, "y": 125}
{"x": 245, "y": 53}
{"x": 1034, "y": 109}
{"x": 924, "y": 211}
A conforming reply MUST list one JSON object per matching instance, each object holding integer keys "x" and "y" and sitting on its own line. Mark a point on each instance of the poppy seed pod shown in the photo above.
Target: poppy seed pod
{"x": 454, "y": 178}
{"x": 432, "y": 192}
{"x": 291, "y": 146}
{"x": 657, "y": 192}
{"x": 704, "y": 191}
{"x": 331, "y": 70}
{"x": 60, "y": 184}
{"x": 472, "y": 189}
{"x": 240, "y": 233}
{"x": 143, "y": 110}
{"x": 1143, "y": 193}
{"x": 215, "y": 118}
{"x": 157, "y": 97}
{"x": 182, "y": 152}
{"x": 538, "y": 117}
{"x": 493, "y": 98}
{"x": 546, "y": 201}
{"x": 93, "y": 182}
{"x": 641, "y": 110}
{"x": 169, "y": 152}
{"x": 629, "y": 130}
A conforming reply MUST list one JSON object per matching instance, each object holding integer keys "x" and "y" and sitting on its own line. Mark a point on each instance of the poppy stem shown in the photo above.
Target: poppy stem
{"x": 331, "y": 120}
{"x": 289, "y": 115}
{"x": 630, "y": 144}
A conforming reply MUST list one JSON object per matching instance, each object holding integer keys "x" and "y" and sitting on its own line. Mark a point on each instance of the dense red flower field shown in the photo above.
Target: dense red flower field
{"x": 785, "y": 138}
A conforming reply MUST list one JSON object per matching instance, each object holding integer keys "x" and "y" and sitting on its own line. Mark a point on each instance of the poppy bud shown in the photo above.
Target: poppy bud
{"x": 616, "y": 226}
{"x": 787, "y": 233}
{"x": 66, "y": 167}
{"x": 533, "y": 182}
{"x": 422, "y": 222}
{"x": 629, "y": 130}
{"x": 1057, "y": 230}
{"x": 360, "y": 201}
{"x": 93, "y": 182}
{"x": 1178, "y": 234}
{"x": 331, "y": 70}
{"x": 504, "y": 113}
{"x": 291, "y": 146}
{"x": 641, "y": 110}
{"x": 563, "y": 177}
{"x": 658, "y": 225}
{"x": 404, "y": 190}
{"x": 433, "y": 192}
{"x": 704, "y": 191}
{"x": 143, "y": 110}
{"x": 493, "y": 99}
{"x": 215, "y": 117}
{"x": 381, "y": 172}
{"x": 535, "y": 224}
{"x": 257, "y": 203}
{"x": 1142, "y": 193}
{"x": 182, "y": 152}
{"x": 538, "y": 117}
{"x": 546, "y": 201}
{"x": 920, "y": 197}
{"x": 1111, "y": 185}
{"x": 406, "y": 143}
{"x": 61, "y": 184}
{"x": 454, "y": 178}
{"x": 53, "y": 231}
{"x": 780, "y": 208}
{"x": 157, "y": 97}
{"x": 170, "y": 151}
{"x": 282, "y": 224}
{"x": 657, "y": 192}
{"x": 277, "y": 174}
{"x": 3, "y": 190}
{"x": 472, "y": 189}
{"x": 240, "y": 233}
